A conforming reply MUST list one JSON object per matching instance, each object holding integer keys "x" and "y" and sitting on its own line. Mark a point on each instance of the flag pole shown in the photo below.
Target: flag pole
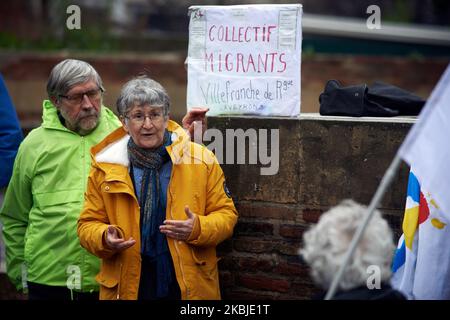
{"x": 385, "y": 182}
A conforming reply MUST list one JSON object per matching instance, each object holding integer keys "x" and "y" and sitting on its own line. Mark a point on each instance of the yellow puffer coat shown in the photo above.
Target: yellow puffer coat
{"x": 196, "y": 180}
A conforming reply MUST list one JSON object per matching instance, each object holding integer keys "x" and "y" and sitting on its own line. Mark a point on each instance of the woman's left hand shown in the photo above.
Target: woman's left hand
{"x": 179, "y": 229}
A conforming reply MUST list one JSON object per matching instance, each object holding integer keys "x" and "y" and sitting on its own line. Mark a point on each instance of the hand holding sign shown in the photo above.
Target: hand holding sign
{"x": 195, "y": 116}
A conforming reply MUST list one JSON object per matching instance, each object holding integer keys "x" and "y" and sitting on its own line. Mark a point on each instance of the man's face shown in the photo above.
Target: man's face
{"x": 80, "y": 107}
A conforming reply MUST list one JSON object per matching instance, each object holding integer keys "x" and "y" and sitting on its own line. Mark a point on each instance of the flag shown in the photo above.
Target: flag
{"x": 427, "y": 148}
{"x": 421, "y": 265}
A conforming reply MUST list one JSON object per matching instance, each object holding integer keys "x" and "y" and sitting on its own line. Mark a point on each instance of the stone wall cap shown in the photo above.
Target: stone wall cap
{"x": 318, "y": 117}
{"x": 397, "y": 119}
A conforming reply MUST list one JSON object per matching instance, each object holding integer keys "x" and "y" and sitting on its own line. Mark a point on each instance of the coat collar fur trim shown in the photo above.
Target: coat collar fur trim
{"x": 113, "y": 149}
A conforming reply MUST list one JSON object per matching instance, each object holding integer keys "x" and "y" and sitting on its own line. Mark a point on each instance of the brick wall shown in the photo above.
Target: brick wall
{"x": 323, "y": 160}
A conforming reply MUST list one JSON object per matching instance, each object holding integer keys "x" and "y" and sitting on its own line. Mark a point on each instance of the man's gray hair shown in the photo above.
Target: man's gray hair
{"x": 143, "y": 91}
{"x": 69, "y": 73}
{"x": 326, "y": 244}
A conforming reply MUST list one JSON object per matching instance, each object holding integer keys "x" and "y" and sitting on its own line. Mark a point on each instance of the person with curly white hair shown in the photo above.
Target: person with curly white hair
{"x": 367, "y": 275}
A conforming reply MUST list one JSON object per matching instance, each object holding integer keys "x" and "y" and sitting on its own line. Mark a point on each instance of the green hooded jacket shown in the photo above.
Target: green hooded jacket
{"x": 43, "y": 202}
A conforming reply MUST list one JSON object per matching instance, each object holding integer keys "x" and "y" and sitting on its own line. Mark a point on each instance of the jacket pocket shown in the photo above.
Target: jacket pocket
{"x": 203, "y": 278}
{"x": 57, "y": 198}
{"x": 206, "y": 261}
{"x": 109, "y": 279}
{"x": 54, "y": 221}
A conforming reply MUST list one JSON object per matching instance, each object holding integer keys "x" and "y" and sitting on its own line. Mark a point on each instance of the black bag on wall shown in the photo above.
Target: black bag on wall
{"x": 380, "y": 100}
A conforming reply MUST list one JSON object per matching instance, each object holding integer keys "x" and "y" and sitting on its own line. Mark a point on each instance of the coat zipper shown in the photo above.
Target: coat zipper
{"x": 120, "y": 280}
{"x": 83, "y": 264}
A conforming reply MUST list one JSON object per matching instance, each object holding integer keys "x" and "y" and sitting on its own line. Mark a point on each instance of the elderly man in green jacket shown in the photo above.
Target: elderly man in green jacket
{"x": 46, "y": 192}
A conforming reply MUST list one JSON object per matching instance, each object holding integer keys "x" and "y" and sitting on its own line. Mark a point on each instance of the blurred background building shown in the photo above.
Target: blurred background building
{"x": 124, "y": 37}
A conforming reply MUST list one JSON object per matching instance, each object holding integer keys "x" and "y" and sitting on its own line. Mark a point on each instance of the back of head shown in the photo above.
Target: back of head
{"x": 326, "y": 244}
{"x": 69, "y": 73}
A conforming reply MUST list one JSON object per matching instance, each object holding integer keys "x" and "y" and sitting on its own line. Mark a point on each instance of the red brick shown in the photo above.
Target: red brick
{"x": 291, "y": 231}
{"x": 288, "y": 247}
{"x": 227, "y": 263}
{"x": 253, "y": 228}
{"x": 254, "y": 264}
{"x": 226, "y": 279}
{"x": 253, "y": 245}
{"x": 267, "y": 211}
{"x": 263, "y": 283}
{"x": 291, "y": 269}
{"x": 245, "y": 295}
{"x": 225, "y": 247}
{"x": 311, "y": 215}
{"x": 304, "y": 290}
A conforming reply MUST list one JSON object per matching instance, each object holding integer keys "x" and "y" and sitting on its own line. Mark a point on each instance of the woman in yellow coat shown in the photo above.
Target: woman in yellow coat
{"x": 156, "y": 205}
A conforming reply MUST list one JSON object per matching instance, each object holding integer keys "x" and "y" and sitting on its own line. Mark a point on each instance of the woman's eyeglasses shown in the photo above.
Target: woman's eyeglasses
{"x": 139, "y": 118}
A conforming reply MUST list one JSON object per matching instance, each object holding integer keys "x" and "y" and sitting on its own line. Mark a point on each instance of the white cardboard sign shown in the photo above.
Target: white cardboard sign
{"x": 245, "y": 59}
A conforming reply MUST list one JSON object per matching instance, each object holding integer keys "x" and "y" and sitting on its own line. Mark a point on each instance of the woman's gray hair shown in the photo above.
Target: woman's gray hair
{"x": 143, "y": 91}
{"x": 326, "y": 243}
{"x": 69, "y": 73}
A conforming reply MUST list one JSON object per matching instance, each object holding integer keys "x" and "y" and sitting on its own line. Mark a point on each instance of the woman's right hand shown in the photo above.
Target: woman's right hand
{"x": 114, "y": 242}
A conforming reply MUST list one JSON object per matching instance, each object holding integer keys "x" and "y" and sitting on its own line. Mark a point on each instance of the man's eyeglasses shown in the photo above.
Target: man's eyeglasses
{"x": 77, "y": 98}
{"x": 139, "y": 118}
